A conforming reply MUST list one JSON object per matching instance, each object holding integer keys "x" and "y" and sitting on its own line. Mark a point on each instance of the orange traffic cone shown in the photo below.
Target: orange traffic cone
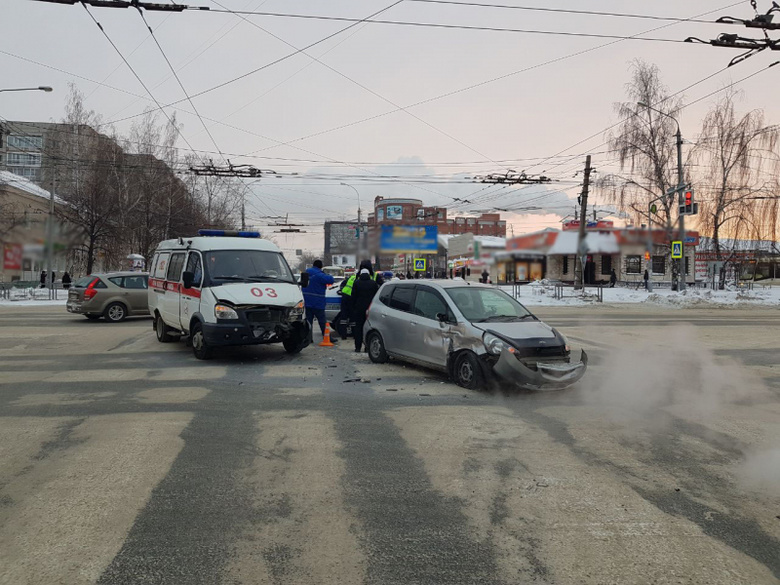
{"x": 326, "y": 342}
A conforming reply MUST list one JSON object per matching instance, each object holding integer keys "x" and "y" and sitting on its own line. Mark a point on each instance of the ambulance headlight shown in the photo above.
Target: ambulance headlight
{"x": 297, "y": 312}
{"x": 225, "y": 312}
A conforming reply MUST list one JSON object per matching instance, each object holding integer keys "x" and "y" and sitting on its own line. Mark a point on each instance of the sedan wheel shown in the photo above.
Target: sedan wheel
{"x": 115, "y": 312}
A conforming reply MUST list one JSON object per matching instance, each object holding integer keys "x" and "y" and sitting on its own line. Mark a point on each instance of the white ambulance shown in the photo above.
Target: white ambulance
{"x": 226, "y": 288}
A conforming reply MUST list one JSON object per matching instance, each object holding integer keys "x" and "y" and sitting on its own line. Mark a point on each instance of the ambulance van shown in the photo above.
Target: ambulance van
{"x": 226, "y": 288}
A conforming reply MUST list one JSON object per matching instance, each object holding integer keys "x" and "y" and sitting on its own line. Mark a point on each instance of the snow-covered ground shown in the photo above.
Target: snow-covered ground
{"x": 33, "y": 303}
{"x": 541, "y": 294}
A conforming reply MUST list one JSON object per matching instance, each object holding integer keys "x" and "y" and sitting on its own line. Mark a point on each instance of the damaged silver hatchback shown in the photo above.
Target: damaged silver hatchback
{"x": 476, "y": 333}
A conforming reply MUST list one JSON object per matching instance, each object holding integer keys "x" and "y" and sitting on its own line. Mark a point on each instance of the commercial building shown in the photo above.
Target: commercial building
{"x": 341, "y": 244}
{"x": 551, "y": 254}
{"x": 412, "y": 212}
{"x": 24, "y": 213}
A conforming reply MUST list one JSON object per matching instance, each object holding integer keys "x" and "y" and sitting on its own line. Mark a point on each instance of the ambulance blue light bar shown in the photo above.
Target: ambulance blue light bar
{"x": 230, "y": 233}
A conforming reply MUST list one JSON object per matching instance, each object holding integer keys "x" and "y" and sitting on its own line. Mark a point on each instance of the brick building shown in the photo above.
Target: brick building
{"x": 399, "y": 211}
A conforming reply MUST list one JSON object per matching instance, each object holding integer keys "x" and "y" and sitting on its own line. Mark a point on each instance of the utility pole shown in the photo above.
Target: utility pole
{"x": 50, "y": 239}
{"x": 579, "y": 279}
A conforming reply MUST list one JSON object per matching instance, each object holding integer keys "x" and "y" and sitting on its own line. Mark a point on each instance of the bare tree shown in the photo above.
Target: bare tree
{"x": 81, "y": 165}
{"x": 645, "y": 145}
{"x": 740, "y": 163}
{"x": 306, "y": 260}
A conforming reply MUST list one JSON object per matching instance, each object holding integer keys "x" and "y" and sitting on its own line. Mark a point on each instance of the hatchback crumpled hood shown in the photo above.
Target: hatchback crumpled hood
{"x": 259, "y": 293}
{"x": 519, "y": 330}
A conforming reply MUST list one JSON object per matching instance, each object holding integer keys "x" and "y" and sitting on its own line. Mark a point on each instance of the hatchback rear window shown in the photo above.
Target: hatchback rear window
{"x": 402, "y": 298}
{"x": 83, "y": 282}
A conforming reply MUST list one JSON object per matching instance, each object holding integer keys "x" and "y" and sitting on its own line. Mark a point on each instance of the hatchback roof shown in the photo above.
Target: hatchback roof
{"x": 441, "y": 282}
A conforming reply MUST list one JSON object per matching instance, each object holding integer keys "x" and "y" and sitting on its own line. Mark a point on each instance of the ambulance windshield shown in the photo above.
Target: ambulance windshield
{"x": 247, "y": 266}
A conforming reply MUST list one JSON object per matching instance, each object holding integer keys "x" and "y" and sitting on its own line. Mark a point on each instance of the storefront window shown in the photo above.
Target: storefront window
{"x": 565, "y": 265}
{"x": 633, "y": 264}
{"x": 606, "y": 264}
{"x": 659, "y": 264}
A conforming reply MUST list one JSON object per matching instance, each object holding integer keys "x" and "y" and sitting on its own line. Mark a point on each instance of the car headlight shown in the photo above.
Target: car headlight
{"x": 225, "y": 312}
{"x": 494, "y": 345}
{"x": 297, "y": 311}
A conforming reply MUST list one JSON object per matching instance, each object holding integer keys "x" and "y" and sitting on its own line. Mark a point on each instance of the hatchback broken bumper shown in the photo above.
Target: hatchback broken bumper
{"x": 540, "y": 375}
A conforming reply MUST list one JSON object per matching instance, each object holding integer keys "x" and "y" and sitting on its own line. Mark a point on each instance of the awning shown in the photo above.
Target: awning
{"x": 518, "y": 254}
{"x": 596, "y": 242}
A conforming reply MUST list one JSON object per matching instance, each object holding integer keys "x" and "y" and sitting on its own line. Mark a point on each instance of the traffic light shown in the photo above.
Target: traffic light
{"x": 687, "y": 206}
{"x": 647, "y": 255}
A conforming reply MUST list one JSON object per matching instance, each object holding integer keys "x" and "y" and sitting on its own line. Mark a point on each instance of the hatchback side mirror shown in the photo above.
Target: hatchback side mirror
{"x": 304, "y": 279}
{"x": 187, "y": 278}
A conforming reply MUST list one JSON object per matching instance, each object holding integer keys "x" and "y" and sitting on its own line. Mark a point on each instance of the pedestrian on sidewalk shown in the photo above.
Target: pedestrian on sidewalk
{"x": 612, "y": 278}
{"x": 66, "y": 280}
{"x": 363, "y": 292}
{"x": 314, "y": 296}
{"x": 647, "y": 277}
{"x": 43, "y": 279}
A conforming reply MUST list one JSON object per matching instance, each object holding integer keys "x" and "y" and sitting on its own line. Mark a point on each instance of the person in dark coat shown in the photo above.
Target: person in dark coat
{"x": 612, "y": 278}
{"x": 408, "y": 275}
{"x": 66, "y": 280}
{"x": 647, "y": 277}
{"x": 314, "y": 295}
{"x": 363, "y": 293}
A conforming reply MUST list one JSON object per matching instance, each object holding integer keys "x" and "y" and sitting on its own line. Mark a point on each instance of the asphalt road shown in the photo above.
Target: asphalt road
{"x": 123, "y": 460}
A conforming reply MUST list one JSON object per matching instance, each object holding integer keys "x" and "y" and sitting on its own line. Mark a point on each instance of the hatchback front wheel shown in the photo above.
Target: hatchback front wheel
{"x": 468, "y": 371}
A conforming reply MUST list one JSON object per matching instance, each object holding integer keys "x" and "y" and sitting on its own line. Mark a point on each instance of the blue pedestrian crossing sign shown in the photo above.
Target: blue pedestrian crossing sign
{"x": 677, "y": 250}
{"x": 419, "y": 264}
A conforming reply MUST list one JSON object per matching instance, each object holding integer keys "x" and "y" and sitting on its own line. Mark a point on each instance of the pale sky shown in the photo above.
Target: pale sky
{"x": 514, "y": 122}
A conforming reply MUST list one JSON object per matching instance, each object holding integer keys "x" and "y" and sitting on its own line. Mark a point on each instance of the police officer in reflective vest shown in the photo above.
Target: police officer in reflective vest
{"x": 346, "y": 295}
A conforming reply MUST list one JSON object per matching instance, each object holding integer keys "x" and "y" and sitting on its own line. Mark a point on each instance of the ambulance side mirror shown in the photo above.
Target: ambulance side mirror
{"x": 187, "y": 278}
{"x": 304, "y": 279}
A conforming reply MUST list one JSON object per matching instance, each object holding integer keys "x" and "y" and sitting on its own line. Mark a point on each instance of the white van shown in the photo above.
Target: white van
{"x": 225, "y": 288}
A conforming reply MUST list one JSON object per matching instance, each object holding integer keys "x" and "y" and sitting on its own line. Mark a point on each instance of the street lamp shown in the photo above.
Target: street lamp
{"x": 360, "y": 226}
{"x": 680, "y": 187}
{"x": 45, "y": 88}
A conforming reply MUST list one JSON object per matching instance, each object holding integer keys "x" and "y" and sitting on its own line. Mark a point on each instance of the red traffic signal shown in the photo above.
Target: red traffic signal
{"x": 688, "y": 197}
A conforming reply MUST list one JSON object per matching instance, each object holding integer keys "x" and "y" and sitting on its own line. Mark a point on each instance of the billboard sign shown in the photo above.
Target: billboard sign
{"x": 380, "y": 214}
{"x": 395, "y": 212}
{"x": 12, "y": 257}
{"x": 406, "y": 238}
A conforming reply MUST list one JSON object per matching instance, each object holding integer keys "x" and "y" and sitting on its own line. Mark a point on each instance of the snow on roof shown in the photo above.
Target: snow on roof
{"x": 728, "y": 244}
{"x": 24, "y": 184}
{"x": 596, "y": 242}
{"x": 485, "y": 241}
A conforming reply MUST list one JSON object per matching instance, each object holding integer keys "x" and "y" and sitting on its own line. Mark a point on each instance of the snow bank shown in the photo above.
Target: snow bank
{"x": 541, "y": 293}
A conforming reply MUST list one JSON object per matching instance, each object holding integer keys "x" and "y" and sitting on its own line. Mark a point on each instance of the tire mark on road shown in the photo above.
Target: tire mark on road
{"x": 411, "y": 532}
{"x": 185, "y": 533}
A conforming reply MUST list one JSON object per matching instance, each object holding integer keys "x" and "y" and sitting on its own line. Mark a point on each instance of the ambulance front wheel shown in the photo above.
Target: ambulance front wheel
{"x": 297, "y": 341}
{"x": 199, "y": 347}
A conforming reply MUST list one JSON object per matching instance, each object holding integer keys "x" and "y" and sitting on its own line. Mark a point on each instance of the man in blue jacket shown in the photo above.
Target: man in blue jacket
{"x": 314, "y": 296}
